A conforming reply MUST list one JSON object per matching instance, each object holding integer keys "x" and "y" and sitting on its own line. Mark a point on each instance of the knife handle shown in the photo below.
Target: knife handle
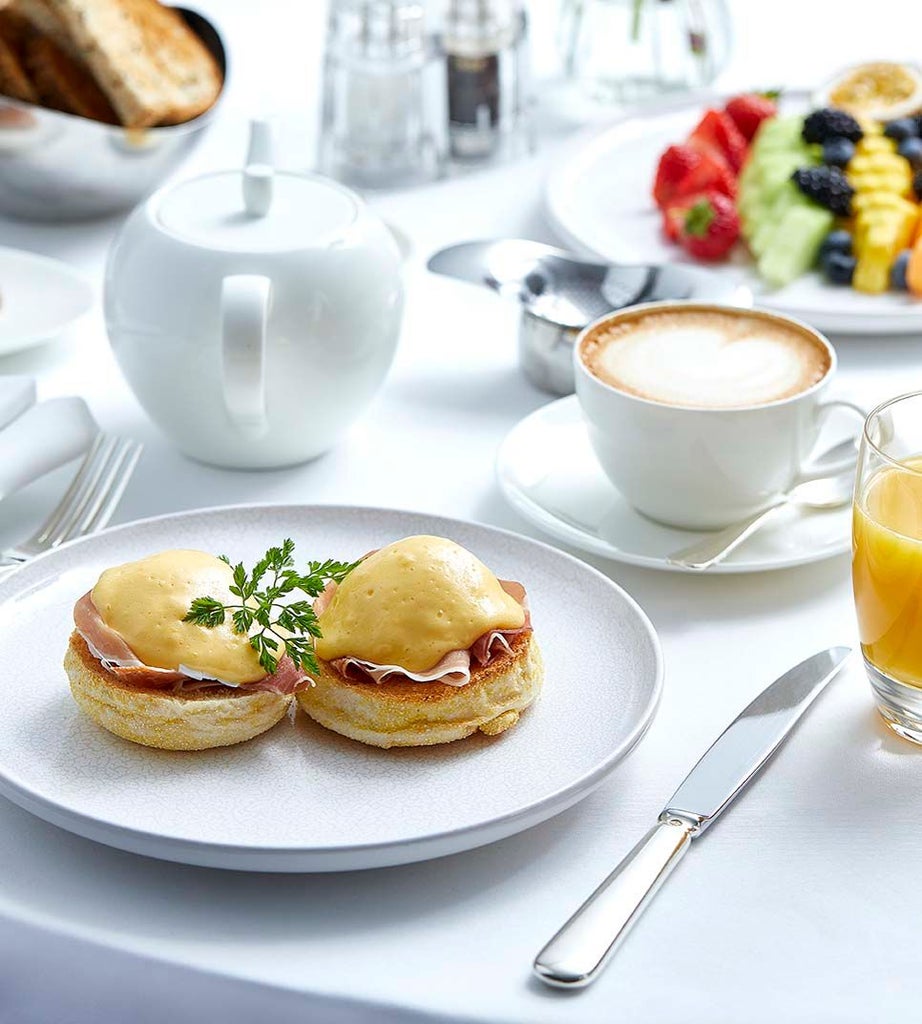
{"x": 577, "y": 953}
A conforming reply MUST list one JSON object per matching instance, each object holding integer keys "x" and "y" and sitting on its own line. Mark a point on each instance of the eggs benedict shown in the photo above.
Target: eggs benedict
{"x": 422, "y": 644}
{"x": 139, "y": 668}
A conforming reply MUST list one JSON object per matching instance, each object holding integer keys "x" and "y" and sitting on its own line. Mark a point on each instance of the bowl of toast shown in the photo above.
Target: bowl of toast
{"x": 99, "y": 101}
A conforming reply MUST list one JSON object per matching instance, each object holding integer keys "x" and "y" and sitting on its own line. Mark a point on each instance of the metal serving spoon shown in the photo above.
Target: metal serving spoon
{"x": 560, "y": 294}
{"x": 818, "y": 493}
{"x": 559, "y": 286}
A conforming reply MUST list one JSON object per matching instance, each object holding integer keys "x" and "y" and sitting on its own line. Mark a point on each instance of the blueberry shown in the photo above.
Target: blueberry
{"x": 836, "y": 241}
{"x": 898, "y": 271}
{"x": 902, "y": 128}
{"x": 838, "y": 152}
{"x": 911, "y": 150}
{"x": 839, "y": 268}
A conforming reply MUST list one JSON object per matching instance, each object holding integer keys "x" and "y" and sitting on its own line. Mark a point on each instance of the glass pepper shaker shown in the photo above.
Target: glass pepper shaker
{"x": 485, "y": 48}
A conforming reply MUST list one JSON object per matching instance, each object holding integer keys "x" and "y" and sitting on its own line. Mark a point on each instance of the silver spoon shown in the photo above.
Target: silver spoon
{"x": 569, "y": 291}
{"x": 819, "y": 493}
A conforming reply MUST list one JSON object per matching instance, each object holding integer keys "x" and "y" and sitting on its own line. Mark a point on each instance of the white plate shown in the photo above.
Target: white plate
{"x": 39, "y": 298}
{"x": 598, "y": 199}
{"x": 300, "y": 798}
{"x": 547, "y": 470}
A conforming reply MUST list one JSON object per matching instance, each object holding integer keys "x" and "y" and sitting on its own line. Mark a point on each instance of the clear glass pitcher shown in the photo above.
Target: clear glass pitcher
{"x": 628, "y": 51}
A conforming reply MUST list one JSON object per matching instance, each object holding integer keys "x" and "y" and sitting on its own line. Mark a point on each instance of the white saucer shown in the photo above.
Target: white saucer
{"x": 39, "y": 298}
{"x": 548, "y": 472}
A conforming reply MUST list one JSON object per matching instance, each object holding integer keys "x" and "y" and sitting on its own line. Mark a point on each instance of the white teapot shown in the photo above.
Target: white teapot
{"x": 254, "y": 312}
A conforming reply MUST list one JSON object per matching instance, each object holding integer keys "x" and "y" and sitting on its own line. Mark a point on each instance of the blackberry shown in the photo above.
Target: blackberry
{"x": 917, "y": 185}
{"x": 830, "y": 123}
{"x": 827, "y": 186}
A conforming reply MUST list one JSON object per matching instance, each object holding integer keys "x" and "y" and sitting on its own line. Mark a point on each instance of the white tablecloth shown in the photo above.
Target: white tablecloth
{"x": 802, "y": 905}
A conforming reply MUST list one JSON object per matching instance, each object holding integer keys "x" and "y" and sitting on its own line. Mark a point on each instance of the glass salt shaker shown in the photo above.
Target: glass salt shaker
{"x": 383, "y": 116}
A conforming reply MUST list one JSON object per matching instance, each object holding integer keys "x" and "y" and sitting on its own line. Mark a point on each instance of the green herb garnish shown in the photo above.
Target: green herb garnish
{"x": 283, "y": 627}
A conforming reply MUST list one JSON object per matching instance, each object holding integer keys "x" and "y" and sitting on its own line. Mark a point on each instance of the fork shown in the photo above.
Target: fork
{"x": 88, "y": 503}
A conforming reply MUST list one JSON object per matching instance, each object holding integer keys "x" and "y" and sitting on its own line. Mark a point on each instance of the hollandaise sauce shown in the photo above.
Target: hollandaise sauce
{"x": 412, "y": 602}
{"x": 146, "y": 601}
{"x": 887, "y": 571}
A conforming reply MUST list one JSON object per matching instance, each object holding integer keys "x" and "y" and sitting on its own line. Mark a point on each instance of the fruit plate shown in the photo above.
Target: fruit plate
{"x": 598, "y": 199}
{"x": 301, "y": 798}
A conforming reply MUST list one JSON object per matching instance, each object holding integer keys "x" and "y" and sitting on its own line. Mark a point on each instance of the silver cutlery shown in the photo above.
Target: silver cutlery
{"x": 560, "y": 293}
{"x": 819, "y": 494}
{"x": 576, "y": 954}
{"x": 88, "y": 503}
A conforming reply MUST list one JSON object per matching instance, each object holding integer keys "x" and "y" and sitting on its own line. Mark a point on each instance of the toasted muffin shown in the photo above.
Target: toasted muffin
{"x": 422, "y": 644}
{"x": 141, "y": 669}
{"x": 213, "y": 716}
{"x": 402, "y": 713}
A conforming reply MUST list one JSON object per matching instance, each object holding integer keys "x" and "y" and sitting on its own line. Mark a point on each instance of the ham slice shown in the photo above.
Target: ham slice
{"x": 454, "y": 669}
{"x": 118, "y": 658}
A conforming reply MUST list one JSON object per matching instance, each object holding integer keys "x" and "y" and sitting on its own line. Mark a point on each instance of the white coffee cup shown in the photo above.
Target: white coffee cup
{"x": 704, "y": 467}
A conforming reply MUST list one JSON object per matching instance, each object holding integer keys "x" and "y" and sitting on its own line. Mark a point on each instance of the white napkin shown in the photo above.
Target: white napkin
{"x": 16, "y": 395}
{"x": 43, "y": 438}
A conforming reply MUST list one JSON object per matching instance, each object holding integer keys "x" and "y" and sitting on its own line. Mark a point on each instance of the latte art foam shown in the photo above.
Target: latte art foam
{"x": 705, "y": 358}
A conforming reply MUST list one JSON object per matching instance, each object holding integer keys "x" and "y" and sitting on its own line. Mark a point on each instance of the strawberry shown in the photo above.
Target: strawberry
{"x": 749, "y": 110}
{"x": 706, "y": 225}
{"x": 674, "y": 164}
{"x": 711, "y": 173}
{"x": 716, "y": 131}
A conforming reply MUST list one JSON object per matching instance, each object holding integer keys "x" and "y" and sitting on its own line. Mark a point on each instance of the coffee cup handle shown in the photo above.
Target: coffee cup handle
{"x": 832, "y": 467}
{"x": 244, "y": 311}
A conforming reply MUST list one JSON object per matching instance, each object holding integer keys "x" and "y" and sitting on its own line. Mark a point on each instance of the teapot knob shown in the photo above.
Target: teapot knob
{"x": 258, "y": 173}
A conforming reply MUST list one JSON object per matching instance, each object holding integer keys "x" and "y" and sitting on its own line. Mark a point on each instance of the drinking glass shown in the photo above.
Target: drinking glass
{"x": 626, "y": 51}
{"x": 887, "y": 560}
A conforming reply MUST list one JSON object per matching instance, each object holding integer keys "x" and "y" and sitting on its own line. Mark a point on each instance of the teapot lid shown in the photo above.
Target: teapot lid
{"x": 257, "y": 209}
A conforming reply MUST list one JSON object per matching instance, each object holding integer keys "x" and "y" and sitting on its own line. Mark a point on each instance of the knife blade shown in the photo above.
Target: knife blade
{"x": 581, "y": 948}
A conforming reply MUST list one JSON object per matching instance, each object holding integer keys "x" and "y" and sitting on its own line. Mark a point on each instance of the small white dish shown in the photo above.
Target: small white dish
{"x": 301, "y": 798}
{"x": 548, "y": 472}
{"x": 598, "y": 200}
{"x": 39, "y": 298}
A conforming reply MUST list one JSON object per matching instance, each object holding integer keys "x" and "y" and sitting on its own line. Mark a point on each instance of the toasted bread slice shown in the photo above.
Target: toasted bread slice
{"x": 148, "y": 62}
{"x": 38, "y": 15}
{"x": 14, "y": 80}
{"x": 64, "y": 83}
{"x": 401, "y": 713}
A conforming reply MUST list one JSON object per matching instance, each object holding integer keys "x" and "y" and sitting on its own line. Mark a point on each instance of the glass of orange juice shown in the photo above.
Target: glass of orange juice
{"x": 887, "y": 560}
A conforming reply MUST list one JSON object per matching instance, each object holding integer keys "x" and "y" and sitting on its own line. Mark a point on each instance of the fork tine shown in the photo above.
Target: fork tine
{"x": 111, "y": 492}
{"x": 88, "y": 468}
{"x": 77, "y": 510}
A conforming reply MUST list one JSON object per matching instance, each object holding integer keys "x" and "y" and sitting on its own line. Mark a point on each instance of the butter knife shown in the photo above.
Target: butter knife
{"x": 577, "y": 953}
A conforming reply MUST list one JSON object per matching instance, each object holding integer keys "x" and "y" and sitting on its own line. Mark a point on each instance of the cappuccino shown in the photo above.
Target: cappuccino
{"x": 705, "y": 358}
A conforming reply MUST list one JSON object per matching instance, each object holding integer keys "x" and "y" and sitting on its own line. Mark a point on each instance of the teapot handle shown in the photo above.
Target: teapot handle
{"x": 244, "y": 311}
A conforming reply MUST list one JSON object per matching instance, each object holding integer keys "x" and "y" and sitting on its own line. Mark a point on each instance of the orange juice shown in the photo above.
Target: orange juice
{"x": 887, "y": 571}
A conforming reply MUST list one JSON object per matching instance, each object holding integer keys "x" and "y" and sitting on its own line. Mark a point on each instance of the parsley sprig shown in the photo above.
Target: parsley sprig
{"x": 275, "y": 626}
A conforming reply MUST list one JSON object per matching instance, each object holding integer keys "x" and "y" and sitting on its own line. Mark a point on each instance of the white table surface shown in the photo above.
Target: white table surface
{"x": 801, "y": 906}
